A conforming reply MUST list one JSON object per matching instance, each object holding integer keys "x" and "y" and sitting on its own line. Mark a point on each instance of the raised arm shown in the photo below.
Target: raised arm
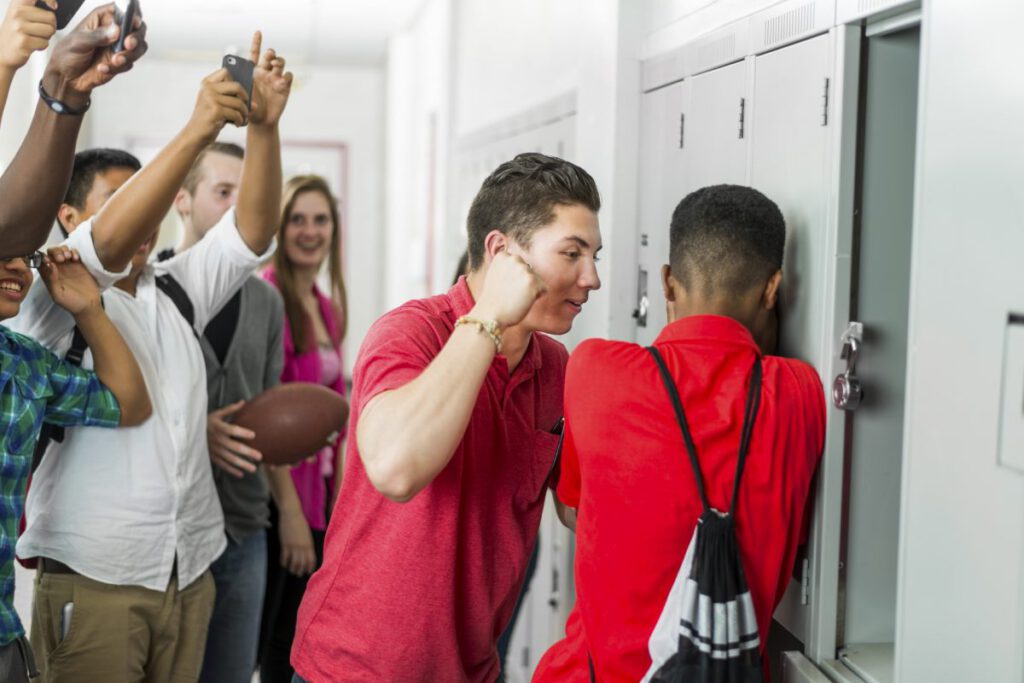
{"x": 73, "y": 288}
{"x": 408, "y": 435}
{"x": 25, "y": 29}
{"x": 33, "y": 186}
{"x": 131, "y": 216}
{"x": 259, "y": 192}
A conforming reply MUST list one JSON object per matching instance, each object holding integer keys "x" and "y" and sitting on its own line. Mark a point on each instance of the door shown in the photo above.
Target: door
{"x": 662, "y": 154}
{"x": 549, "y": 595}
{"x": 791, "y": 164}
{"x": 881, "y": 303}
{"x": 694, "y": 133}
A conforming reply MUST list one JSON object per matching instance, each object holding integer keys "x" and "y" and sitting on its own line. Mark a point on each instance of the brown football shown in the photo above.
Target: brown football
{"x": 293, "y": 421}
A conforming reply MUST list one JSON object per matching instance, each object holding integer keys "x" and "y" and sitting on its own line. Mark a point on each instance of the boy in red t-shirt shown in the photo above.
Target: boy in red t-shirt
{"x": 624, "y": 466}
{"x": 453, "y": 402}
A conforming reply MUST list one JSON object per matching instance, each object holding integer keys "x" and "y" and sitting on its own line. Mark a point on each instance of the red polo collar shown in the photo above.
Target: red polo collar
{"x": 707, "y": 327}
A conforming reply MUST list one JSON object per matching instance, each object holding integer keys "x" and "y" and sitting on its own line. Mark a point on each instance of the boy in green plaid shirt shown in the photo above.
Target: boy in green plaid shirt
{"x": 35, "y": 385}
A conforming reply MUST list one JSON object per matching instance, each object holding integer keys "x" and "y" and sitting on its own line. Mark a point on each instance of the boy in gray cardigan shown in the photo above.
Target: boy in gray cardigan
{"x": 242, "y": 347}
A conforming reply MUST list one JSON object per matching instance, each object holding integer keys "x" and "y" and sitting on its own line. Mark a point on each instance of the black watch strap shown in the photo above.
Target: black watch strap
{"x": 60, "y": 107}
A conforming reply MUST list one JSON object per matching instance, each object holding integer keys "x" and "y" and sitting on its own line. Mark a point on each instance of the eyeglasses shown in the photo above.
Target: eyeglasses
{"x": 33, "y": 260}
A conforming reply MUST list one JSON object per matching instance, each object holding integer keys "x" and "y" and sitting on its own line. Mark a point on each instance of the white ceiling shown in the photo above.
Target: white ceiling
{"x": 305, "y": 31}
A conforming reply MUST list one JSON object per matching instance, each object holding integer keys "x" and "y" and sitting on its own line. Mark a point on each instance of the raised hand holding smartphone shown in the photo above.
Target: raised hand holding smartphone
{"x": 65, "y": 11}
{"x": 241, "y": 71}
{"x": 125, "y": 19}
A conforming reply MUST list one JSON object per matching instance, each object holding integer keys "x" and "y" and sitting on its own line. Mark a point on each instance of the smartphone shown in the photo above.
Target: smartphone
{"x": 65, "y": 619}
{"x": 126, "y": 20}
{"x": 65, "y": 11}
{"x": 240, "y": 69}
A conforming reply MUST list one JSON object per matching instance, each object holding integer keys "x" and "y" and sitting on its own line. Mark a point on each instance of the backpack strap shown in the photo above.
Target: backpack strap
{"x": 749, "y": 417}
{"x": 677, "y": 404}
{"x": 169, "y": 286}
{"x": 173, "y": 289}
{"x": 52, "y": 432}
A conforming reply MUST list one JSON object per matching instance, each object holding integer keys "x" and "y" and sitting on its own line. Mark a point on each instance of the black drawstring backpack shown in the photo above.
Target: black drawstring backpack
{"x": 707, "y": 631}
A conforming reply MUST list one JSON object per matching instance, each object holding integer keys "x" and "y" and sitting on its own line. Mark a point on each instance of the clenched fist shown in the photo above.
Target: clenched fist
{"x": 26, "y": 29}
{"x": 510, "y": 288}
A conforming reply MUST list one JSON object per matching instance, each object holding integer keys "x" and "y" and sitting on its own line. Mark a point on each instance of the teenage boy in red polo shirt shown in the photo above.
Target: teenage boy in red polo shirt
{"x": 454, "y": 399}
{"x": 624, "y": 466}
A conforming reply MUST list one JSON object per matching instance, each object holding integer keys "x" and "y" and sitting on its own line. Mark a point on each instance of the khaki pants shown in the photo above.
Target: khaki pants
{"x": 120, "y": 634}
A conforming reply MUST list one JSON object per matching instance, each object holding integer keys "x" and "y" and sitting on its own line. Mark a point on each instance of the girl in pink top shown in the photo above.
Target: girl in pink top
{"x": 308, "y": 236}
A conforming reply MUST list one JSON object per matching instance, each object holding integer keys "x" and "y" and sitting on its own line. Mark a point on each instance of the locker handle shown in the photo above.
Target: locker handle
{"x": 642, "y": 302}
{"x": 847, "y": 393}
{"x": 556, "y": 596}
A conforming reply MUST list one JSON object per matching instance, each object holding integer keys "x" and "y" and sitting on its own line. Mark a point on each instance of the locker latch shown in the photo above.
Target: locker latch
{"x": 805, "y": 582}
{"x": 846, "y": 389}
{"x": 642, "y": 302}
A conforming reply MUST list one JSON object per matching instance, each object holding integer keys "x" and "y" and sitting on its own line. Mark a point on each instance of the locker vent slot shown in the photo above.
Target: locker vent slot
{"x": 716, "y": 52}
{"x": 791, "y": 24}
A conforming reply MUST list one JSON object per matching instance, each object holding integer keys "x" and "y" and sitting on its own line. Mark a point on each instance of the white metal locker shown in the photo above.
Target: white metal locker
{"x": 790, "y": 163}
{"x": 662, "y": 171}
{"x": 717, "y": 127}
{"x": 550, "y": 596}
{"x": 695, "y": 133}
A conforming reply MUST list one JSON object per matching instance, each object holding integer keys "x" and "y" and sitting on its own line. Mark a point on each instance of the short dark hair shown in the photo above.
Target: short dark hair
{"x": 195, "y": 173}
{"x": 90, "y": 162}
{"x": 726, "y": 239}
{"x": 520, "y": 196}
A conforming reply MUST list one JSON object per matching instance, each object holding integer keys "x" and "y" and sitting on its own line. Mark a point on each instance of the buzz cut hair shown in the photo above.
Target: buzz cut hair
{"x": 726, "y": 239}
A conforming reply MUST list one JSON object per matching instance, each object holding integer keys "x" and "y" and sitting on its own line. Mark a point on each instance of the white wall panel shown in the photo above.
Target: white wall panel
{"x": 961, "y": 587}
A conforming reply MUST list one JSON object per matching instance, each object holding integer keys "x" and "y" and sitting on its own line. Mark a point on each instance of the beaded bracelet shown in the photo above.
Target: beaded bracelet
{"x": 488, "y": 327}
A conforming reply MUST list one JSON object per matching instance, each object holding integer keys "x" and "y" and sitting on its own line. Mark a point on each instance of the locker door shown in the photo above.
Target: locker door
{"x": 717, "y": 113}
{"x": 662, "y": 154}
{"x": 549, "y": 595}
{"x": 790, "y": 164}
{"x": 695, "y": 133}
{"x": 882, "y": 285}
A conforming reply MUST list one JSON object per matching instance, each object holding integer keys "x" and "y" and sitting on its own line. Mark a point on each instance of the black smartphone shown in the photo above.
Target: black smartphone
{"x": 126, "y": 20}
{"x": 240, "y": 69}
{"x": 65, "y": 11}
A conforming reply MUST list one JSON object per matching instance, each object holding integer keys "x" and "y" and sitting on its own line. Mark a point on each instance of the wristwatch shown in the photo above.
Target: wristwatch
{"x": 58, "y": 106}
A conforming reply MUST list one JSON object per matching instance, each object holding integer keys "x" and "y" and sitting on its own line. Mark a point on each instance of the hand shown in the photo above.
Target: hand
{"x": 25, "y": 30}
{"x": 70, "y": 283}
{"x": 297, "y": 553}
{"x": 510, "y": 289}
{"x": 82, "y": 60}
{"x": 271, "y": 85}
{"x": 227, "y": 450}
{"x": 220, "y": 101}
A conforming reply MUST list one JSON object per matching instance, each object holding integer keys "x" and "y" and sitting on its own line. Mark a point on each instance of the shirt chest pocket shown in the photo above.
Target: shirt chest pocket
{"x": 537, "y": 450}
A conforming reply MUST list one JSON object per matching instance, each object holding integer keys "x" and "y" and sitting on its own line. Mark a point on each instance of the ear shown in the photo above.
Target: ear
{"x": 667, "y": 283}
{"x": 495, "y": 242}
{"x": 68, "y": 217}
{"x": 770, "y": 296}
{"x": 183, "y": 202}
